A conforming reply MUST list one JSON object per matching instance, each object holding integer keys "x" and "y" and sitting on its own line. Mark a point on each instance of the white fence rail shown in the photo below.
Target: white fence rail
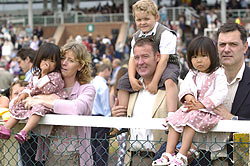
{"x": 173, "y": 14}
{"x": 240, "y": 126}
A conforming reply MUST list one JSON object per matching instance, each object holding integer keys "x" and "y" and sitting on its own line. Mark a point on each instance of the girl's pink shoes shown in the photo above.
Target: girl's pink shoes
{"x": 21, "y": 137}
{"x": 4, "y": 133}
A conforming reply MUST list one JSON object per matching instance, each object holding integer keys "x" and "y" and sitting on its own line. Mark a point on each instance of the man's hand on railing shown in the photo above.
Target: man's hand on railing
{"x": 118, "y": 110}
{"x": 223, "y": 112}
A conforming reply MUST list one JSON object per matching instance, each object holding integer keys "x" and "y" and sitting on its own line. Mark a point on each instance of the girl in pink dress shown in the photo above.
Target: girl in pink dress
{"x": 204, "y": 88}
{"x": 46, "y": 80}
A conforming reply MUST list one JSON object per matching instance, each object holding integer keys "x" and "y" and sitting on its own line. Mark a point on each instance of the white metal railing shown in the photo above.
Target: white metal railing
{"x": 234, "y": 13}
{"x": 240, "y": 126}
{"x": 9, "y": 149}
{"x": 173, "y": 14}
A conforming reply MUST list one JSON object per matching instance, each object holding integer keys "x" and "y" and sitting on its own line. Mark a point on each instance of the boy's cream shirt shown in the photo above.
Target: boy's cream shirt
{"x": 165, "y": 47}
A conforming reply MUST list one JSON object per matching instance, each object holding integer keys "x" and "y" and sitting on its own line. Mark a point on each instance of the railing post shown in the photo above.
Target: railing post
{"x": 62, "y": 17}
{"x": 55, "y": 18}
{"x": 76, "y": 17}
{"x": 241, "y": 149}
{"x": 45, "y": 21}
{"x": 174, "y": 19}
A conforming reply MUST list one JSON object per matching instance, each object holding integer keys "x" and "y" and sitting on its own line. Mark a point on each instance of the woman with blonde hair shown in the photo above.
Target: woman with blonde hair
{"x": 76, "y": 72}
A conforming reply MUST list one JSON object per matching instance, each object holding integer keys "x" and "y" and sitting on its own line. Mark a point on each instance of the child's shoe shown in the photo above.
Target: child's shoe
{"x": 21, "y": 137}
{"x": 163, "y": 160}
{"x": 4, "y": 133}
{"x": 179, "y": 160}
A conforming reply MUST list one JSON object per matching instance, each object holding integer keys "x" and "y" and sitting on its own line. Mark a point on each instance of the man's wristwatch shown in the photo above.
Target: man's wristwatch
{"x": 235, "y": 118}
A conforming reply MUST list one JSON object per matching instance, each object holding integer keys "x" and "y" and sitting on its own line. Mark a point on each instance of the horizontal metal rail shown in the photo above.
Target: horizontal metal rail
{"x": 241, "y": 126}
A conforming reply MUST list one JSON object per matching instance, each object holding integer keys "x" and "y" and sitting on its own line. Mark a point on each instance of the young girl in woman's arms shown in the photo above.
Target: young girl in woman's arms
{"x": 46, "y": 80}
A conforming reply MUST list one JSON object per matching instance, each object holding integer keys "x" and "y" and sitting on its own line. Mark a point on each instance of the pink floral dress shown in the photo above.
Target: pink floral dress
{"x": 208, "y": 88}
{"x": 49, "y": 84}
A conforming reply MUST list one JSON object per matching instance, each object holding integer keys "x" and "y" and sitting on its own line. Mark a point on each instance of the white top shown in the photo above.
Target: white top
{"x": 38, "y": 82}
{"x": 101, "y": 103}
{"x": 28, "y": 76}
{"x": 167, "y": 43}
{"x": 213, "y": 96}
{"x": 143, "y": 112}
{"x": 232, "y": 88}
{"x": 221, "y": 137}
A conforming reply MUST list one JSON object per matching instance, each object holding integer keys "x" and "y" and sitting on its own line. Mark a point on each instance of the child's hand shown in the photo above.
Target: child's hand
{"x": 21, "y": 97}
{"x": 190, "y": 99}
{"x": 44, "y": 67}
{"x": 136, "y": 84}
{"x": 152, "y": 88}
{"x": 194, "y": 105}
{"x": 198, "y": 105}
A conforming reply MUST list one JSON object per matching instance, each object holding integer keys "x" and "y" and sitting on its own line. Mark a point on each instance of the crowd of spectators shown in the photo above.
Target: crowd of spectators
{"x": 206, "y": 23}
{"x": 12, "y": 38}
{"x": 17, "y": 38}
{"x": 232, "y": 4}
{"x": 103, "y": 9}
{"x": 103, "y": 49}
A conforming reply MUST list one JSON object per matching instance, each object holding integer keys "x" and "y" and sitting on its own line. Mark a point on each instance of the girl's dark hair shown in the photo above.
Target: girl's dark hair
{"x": 204, "y": 45}
{"x": 47, "y": 51}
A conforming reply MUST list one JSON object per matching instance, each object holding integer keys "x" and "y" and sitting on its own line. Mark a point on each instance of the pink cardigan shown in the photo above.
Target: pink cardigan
{"x": 81, "y": 103}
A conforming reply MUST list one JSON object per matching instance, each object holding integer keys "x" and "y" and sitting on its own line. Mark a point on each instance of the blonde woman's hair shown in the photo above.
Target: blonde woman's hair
{"x": 147, "y": 6}
{"x": 83, "y": 57}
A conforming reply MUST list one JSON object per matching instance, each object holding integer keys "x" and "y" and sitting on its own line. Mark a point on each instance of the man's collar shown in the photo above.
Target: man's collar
{"x": 152, "y": 32}
{"x": 239, "y": 74}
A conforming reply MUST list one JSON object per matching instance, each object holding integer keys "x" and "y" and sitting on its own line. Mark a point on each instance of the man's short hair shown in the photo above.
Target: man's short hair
{"x": 230, "y": 27}
{"x": 23, "y": 53}
{"x": 147, "y": 41}
{"x": 103, "y": 67}
{"x": 117, "y": 61}
{"x": 147, "y": 6}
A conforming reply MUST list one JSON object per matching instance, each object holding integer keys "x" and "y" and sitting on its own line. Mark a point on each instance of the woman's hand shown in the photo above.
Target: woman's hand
{"x": 47, "y": 97}
{"x": 21, "y": 97}
{"x": 29, "y": 102}
{"x": 47, "y": 100}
